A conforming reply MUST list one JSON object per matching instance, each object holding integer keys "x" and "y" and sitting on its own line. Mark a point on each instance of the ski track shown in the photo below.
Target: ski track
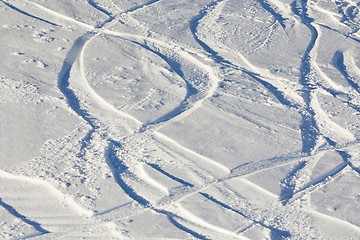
{"x": 288, "y": 184}
{"x": 52, "y": 189}
{"x": 199, "y": 221}
{"x": 347, "y": 159}
{"x": 191, "y": 91}
{"x": 330, "y": 129}
{"x": 176, "y": 179}
{"x": 37, "y": 226}
{"x": 193, "y": 25}
{"x": 223, "y": 168}
{"x": 100, "y": 101}
{"x": 95, "y": 5}
{"x": 147, "y": 178}
{"x": 347, "y": 17}
{"x": 28, "y": 14}
{"x": 118, "y": 168}
{"x": 334, "y": 219}
{"x": 58, "y": 203}
{"x": 277, "y": 16}
{"x": 321, "y": 182}
{"x": 141, "y": 6}
{"x": 275, "y": 233}
{"x": 185, "y": 229}
{"x": 309, "y": 129}
{"x": 338, "y": 61}
{"x": 74, "y": 103}
{"x": 69, "y": 94}
{"x": 61, "y": 16}
{"x": 172, "y": 218}
{"x": 64, "y": 80}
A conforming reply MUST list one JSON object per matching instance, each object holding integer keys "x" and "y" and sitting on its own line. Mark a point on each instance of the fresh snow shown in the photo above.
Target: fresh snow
{"x": 163, "y": 119}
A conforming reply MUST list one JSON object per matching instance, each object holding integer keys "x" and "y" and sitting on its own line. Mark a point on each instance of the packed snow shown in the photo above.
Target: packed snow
{"x": 179, "y": 119}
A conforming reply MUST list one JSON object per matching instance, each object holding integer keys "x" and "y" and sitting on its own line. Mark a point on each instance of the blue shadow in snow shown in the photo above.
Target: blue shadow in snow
{"x": 28, "y": 14}
{"x": 346, "y": 157}
{"x": 99, "y": 8}
{"x": 278, "y": 17}
{"x": 185, "y": 229}
{"x": 309, "y": 130}
{"x": 287, "y": 191}
{"x": 118, "y": 168}
{"x": 190, "y": 90}
{"x": 171, "y": 218}
{"x": 133, "y": 9}
{"x": 103, "y": 10}
{"x": 71, "y": 98}
{"x": 159, "y": 169}
{"x": 63, "y": 80}
{"x": 193, "y": 25}
{"x": 274, "y": 232}
{"x": 15, "y": 213}
{"x": 338, "y": 61}
{"x": 224, "y": 62}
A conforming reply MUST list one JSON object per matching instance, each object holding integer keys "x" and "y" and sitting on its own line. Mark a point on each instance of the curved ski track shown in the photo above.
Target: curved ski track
{"x": 73, "y": 67}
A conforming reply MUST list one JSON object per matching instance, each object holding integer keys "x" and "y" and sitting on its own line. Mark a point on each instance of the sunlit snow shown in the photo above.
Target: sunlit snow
{"x": 179, "y": 119}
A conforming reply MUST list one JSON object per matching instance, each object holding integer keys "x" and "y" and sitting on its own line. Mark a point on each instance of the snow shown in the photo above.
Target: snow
{"x": 154, "y": 119}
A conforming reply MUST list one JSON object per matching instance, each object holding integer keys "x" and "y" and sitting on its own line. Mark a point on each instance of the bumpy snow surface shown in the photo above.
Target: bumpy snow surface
{"x": 180, "y": 119}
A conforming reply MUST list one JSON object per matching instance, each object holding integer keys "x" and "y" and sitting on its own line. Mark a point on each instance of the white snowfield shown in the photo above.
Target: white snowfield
{"x": 180, "y": 119}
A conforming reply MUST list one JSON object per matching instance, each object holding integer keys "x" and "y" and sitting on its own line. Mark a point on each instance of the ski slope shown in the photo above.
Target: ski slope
{"x": 163, "y": 119}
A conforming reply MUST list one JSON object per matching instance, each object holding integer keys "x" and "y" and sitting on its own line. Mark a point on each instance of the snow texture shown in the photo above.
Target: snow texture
{"x": 164, "y": 119}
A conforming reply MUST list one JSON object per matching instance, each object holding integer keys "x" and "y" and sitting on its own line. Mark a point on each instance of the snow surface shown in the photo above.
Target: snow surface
{"x": 179, "y": 119}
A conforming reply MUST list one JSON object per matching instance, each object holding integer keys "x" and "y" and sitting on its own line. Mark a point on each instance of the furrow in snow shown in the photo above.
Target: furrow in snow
{"x": 339, "y": 63}
{"x": 181, "y": 113}
{"x": 50, "y": 189}
{"x": 179, "y": 180}
{"x": 250, "y": 70}
{"x": 288, "y": 183}
{"x": 277, "y": 16}
{"x": 63, "y": 17}
{"x": 186, "y": 229}
{"x": 147, "y": 178}
{"x": 118, "y": 168}
{"x": 28, "y": 14}
{"x": 190, "y": 90}
{"x": 37, "y": 226}
{"x": 275, "y": 232}
{"x": 191, "y": 152}
{"x": 327, "y": 127}
{"x": 319, "y": 183}
{"x": 97, "y": 6}
{"x": 309, "y": 130}
{"x": 201, "y": 222}
{"x": 347, "y": 159}
{"x": 193, "y": 25}
{"x": 141, "y": 6}
{"x": 64, "y": 79}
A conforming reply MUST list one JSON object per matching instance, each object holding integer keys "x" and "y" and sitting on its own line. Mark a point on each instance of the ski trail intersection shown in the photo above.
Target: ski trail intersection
{"x": 159, "y": 119}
